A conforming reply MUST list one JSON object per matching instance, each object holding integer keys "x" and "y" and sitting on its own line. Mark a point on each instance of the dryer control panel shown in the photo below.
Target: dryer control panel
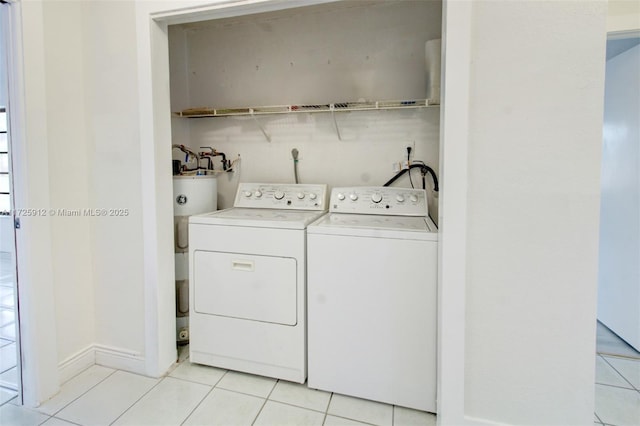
{"x": 380, "y": 200}
{"x": 282, "y": 196}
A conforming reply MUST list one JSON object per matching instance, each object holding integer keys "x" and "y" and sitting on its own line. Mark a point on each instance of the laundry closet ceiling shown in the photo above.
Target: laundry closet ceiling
{"x": 337, "y": 52}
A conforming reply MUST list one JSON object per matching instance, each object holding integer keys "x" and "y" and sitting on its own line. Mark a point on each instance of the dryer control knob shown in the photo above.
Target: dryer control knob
{"x": 376, "y": 198}
{"x": 313, "y": 196}
{"x": 300, "y": 195}
{"x": 353, "y": 196}
{"x": 278, "y": 195}
{"x": 413, "y": 198}
{"x": 400, "y": 198}
{"x": 247, "y": 194}
{"x": 340, "y": 196}
{"x": 258, "y": 194}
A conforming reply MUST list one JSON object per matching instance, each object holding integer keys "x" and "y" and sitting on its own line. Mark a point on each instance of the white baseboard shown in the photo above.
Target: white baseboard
{"x": 107, "y": 356}
{"x": 76, "y": 363}
{"x": 120, "y": 359}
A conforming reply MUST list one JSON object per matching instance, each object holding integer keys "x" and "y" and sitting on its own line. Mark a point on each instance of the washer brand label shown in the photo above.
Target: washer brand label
{"x": 181, "y": 199}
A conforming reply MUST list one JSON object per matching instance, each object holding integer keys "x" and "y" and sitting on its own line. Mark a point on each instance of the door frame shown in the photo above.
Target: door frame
{"x": 37, "y": 337}
{"x": 153, "y": 68}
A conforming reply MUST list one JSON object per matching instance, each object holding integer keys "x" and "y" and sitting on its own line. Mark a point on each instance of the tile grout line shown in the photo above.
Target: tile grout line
{"x": 58, "y": 418}
{"x": 197, "y": 405}
{"x": 141, "y": 396}
{"x": 205, "y": 397}
{"x": 352, "y": 419}
{"x": 83, "y": 393}
{"x": 265, "y": 402}
{"x": 326, "y": 411}
{"x": 293, "y": 405}
{"x": 618, "y": 387}
{"x": 622, "y": 375}
{"x": 248, "y": 394}
{"x": 598, "y": 417}
{"x": 10, "y": 368}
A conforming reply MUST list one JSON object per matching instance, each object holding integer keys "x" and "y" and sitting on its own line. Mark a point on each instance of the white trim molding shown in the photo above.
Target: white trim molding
{"x": 454, "y": 132}
{"x": 77, "y": 363}
{"x": 28, "y": 123}
{"x": 107, "y": 356}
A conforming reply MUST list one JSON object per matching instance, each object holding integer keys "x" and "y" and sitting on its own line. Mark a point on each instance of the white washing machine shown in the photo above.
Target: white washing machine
{"x": 372, "y": 290}
{"x": 247, "y": 276}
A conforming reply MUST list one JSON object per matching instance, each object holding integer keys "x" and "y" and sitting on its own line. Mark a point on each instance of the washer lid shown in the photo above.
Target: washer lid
{"x": 375, "y": 225}
{"x": 260, "y": 218}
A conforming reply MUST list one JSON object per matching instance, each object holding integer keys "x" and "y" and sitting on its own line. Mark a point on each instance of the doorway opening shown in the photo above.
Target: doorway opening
{"x": 618, "y": 327}
{"x": 10, "y": 371}
{"x": 619, "y": 271}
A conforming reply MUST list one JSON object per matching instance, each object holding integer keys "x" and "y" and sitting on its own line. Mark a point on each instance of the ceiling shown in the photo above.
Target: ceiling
{"x": 618, "y": 46}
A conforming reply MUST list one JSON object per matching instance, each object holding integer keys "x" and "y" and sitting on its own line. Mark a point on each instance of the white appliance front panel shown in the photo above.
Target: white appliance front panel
{"x": 282, "y": 196}
{"x": 245, "y": 286}
{"x": 256, "y": 347}
{"x": 379, "y": 200}
{"x": 372, "y": 318}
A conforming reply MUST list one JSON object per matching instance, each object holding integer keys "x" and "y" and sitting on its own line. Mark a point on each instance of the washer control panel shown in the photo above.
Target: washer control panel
{"x": 381, "y": 200}
{"x": 282, "y": 196}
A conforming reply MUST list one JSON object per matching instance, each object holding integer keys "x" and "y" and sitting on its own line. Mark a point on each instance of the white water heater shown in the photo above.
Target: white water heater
{"x": 191, "y": 195}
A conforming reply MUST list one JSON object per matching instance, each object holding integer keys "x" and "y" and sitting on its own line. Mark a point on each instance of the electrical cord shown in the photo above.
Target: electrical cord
{"x": 423, "y": 168}
{"x": 409, "y": 164}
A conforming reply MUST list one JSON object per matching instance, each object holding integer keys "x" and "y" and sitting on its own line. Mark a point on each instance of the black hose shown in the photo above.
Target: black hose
{"x": 225, "y": 164}
{"x": 423, "y": 168}
{"x": 224, "y": 160}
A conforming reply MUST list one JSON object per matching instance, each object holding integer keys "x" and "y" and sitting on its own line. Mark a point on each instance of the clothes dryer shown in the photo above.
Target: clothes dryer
{"x": 247, "y": 277}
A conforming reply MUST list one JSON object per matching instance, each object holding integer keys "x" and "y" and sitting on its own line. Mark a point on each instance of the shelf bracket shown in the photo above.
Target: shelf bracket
{"x": 264, "y": 132}
{"x": 332, "y": 107}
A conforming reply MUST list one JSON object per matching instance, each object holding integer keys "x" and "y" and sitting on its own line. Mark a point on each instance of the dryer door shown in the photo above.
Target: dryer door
{"x": 245, "y": 286}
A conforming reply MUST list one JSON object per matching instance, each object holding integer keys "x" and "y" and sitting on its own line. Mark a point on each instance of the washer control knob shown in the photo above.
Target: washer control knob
{"x": 313, "y": 196}
{"x": 353, "y": 196}
{"x": 400, "y": 198}
{"x": 376, "y": 198}
{"x": 340, "y": 196}
{"x": 247, "y": 194}
{"x": 278, "y": 195}
{"x": 413, "y": 198}
{"x": 300, "y": 195}
{"x": 258, "y": 194}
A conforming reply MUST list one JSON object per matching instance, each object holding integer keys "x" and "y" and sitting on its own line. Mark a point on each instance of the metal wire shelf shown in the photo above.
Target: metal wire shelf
{"x": 288, "y": 109}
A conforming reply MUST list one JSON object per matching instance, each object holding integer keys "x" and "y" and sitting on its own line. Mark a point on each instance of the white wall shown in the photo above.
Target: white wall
{"x": 80, "y": 277}
{"x": 68, "y": 182}
{"x": 623, "y": 15}
{"x": 533, "y": 204}
{"x": 328, "y": 53}
{"x": 530, "y": 287}
{"x": 317, "y": 55}
{"x": 619, "y": 273}
{"x": 115, "y": 156}
{"x": 371, "y": 142}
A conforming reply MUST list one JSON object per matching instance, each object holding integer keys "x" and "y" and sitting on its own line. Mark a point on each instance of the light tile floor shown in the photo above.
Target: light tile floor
{"x": 617, "y": 381}
{"x": 193, "y": 394}
{"x": 8, "y": 348}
